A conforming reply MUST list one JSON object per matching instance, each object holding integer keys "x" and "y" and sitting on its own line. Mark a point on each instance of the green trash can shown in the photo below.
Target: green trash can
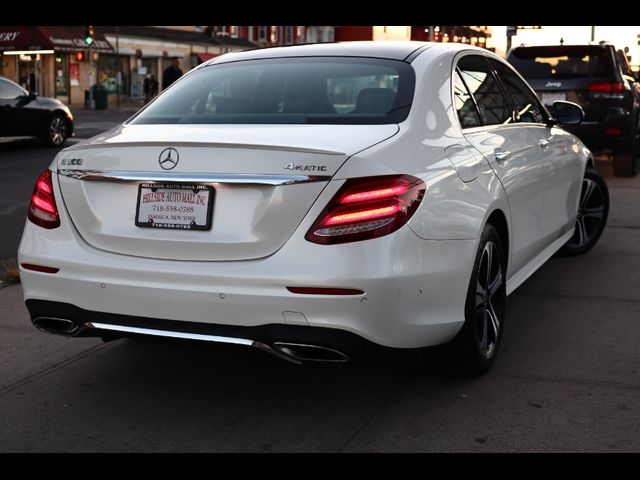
{"x": 100, "y": 97}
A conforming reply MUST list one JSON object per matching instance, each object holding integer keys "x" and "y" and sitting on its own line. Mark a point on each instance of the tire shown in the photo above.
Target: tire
{"x": 57, "y": 131}
{"x": 593, "y": 211}
{"x": 624, "y": 162}
{"x": 476, "y": 346}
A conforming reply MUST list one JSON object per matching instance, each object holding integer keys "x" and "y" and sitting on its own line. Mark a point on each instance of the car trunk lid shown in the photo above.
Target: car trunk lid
{"x": 263, "y": 180}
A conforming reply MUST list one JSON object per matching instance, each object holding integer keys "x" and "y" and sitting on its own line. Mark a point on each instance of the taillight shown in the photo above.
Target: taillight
{"x": 43, "y": 210}
{"x": 607, "y": 87}
{"x": 366, "y": 208}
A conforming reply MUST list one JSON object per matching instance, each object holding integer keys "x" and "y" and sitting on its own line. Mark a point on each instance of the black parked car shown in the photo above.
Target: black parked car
{"x": 26, "y": 114}
{"x": 598, "y": 78}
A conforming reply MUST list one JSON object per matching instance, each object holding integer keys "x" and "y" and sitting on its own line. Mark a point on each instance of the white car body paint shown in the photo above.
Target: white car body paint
{"x": 415, "y": 280}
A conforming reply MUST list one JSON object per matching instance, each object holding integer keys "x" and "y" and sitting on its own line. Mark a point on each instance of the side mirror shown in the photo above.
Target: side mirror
{"x": 567, "y": 113}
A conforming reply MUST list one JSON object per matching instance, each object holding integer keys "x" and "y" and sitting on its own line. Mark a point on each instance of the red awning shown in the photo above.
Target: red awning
{"x": 206, "y": 56}
{"x": 60, "y": 39}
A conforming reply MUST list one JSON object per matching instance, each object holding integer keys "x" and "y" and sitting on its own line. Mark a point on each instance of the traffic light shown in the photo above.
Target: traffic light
{"x": 88, "y": 36}
{"x": 80, "y": 56}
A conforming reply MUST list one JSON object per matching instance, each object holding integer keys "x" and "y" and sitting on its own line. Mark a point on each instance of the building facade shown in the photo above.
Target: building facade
{"x": 54, "y": 61}
{"x": 275, "y": 35}
{"x": 50, "y": 61}
{"x": 473, "y": 35}
{"x": 145, "y": 52}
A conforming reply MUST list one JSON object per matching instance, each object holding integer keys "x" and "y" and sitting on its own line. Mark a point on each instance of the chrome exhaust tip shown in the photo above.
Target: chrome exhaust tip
{"x": 311, "y": 353}
{"x": 57, "y": 326}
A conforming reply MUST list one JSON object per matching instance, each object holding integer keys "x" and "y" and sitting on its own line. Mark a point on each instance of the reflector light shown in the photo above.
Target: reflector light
{"x": 325, "y": 291}
{"x": 39, "y": 268}
{"x": 613, "y": 131}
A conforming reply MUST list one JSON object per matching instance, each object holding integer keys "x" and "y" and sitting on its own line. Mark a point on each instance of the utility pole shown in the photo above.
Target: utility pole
{"x": 431, "y": 33}
{"x": 593, "y": 33}
{"x": 92, "y": 101}
{"x": 88, "y": 40}
{"x": 119, "y": 70}
{"x": 511, "y": 31}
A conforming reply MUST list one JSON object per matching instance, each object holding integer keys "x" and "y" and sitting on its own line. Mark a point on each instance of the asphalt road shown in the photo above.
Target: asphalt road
{"x": 21, "y": 161}
{"x": 567, "y": 379}
{"x": 568, "y": 376}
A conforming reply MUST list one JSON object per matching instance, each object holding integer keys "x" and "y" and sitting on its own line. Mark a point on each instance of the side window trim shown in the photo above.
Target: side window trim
{"x": 545, "y": 113}
{"x": 504, "y": 90}
{"x": 507, "y": 98}
{"x": 473, "y": 99}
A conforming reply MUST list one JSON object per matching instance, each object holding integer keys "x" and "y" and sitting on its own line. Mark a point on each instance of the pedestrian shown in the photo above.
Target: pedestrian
{"x": 150, "y": 88}
{"x": 171, "y": 73}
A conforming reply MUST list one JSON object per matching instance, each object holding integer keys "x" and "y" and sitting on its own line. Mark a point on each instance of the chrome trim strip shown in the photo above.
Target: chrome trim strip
{"x": 240, "y": 178}
{"x": 193, "y": 336}
{"x": 279, "y": 148}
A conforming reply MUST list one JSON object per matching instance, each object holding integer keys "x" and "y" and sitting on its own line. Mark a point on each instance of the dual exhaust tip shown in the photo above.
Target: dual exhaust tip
{"x": 310, "y": 353}
{"x": 58, "y": 326}
{"x": 293, "y": 352}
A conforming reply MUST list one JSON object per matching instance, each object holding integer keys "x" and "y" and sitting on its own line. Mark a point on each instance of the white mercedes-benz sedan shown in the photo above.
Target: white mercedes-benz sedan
{"x": 315, "y": 202}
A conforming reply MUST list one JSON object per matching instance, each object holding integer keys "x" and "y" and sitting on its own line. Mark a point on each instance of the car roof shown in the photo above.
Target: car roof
{"x": 389, "y": 50}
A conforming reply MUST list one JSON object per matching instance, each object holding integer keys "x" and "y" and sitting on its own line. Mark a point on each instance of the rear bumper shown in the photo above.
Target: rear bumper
{"x": 414, "y": 296}
{"x": 600, "y": 135}
{"x": 263, "y": 337}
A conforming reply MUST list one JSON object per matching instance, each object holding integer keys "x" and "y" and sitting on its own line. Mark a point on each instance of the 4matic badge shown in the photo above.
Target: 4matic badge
{"x": 305, "y": 168}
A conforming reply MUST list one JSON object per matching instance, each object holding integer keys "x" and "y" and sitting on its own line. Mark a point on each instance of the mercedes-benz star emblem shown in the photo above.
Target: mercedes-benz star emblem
{"x": 168, "y": 158}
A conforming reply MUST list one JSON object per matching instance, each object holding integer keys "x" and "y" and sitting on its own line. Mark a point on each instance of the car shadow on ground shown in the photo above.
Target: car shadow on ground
{"x": 218, "y": 376}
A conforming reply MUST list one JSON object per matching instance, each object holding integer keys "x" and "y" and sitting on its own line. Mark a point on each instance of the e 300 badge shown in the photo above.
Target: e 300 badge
{"x": 71, "y": 161}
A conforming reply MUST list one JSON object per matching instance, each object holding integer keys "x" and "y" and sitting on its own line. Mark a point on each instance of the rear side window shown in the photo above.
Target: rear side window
{"x": 482, "y": 84}
{"x": 464, "y": 104}
{"x": 527, "y": 106}
{"x": 562, "y": 62}
{"x": 326, "y": 90}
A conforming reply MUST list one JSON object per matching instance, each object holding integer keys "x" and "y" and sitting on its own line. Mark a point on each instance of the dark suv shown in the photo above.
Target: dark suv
{"x": 598, "y": 78}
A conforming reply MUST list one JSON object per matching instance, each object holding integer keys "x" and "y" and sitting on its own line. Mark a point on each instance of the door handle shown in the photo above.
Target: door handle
{"x": 501, "y": 155}
{"x": 544, "y": 144}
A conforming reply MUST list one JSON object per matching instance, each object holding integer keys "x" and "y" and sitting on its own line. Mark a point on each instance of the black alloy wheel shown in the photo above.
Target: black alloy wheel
{"x": 476, "y": 346}
{"x": 591, "y": 218}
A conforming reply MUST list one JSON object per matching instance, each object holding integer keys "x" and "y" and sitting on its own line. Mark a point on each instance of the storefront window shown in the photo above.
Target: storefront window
{"x": 108, "y": 70}
{"x": 61, "y": 69}
{"x": 30, "y": 73}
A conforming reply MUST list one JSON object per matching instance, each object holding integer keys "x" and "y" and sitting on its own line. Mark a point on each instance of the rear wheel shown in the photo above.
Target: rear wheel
{"x": 591, "y": 218}
{"x": 624, "y": 163}
{"x": 476, "y": 346}
{"x": 57, "y": 131}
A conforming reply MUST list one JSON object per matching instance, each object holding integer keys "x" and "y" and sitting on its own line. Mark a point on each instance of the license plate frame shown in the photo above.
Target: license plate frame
{"x": 181, "y": 207}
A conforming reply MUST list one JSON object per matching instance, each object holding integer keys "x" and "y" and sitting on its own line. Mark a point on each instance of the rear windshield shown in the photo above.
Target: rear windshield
{"x": 325, "y": 90}
{"x": 571, "y": 61}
